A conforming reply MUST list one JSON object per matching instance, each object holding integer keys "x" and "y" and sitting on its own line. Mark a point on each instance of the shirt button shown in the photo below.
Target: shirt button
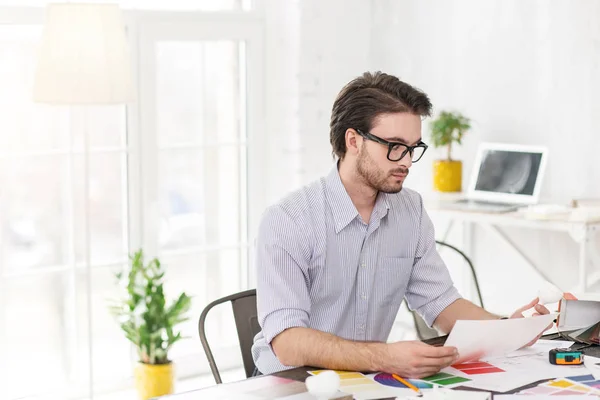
{"x": 363, "y": 296}
{"x": 363, "y": 265}
{"x": 362, "y": 326}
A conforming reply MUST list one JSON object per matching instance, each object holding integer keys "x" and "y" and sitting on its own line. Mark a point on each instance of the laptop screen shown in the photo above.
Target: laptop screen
{"x": 510, "y": 172}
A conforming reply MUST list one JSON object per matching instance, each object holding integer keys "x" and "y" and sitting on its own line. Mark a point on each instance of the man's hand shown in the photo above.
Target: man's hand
{"x": 539, "y": 310}
{"x": 414, "y": 359}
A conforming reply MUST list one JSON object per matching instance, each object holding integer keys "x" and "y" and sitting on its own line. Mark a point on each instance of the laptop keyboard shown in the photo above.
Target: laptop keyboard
{"x": 483, "y": 203}
{"x": 485, "y": 206}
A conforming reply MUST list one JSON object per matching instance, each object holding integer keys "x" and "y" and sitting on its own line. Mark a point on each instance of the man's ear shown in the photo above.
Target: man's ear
{"x": 353, "y": 141}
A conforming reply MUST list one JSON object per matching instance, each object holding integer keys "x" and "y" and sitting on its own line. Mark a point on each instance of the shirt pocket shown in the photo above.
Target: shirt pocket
{"x": 392, "y": 280}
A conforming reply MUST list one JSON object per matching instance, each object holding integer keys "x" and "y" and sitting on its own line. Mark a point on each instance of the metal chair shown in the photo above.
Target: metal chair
{"x": 246, "y": 322}
{"x": 423, "y": 331}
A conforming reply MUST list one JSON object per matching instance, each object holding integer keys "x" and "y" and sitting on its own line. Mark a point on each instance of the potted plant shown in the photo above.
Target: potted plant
{"x": 446, "y": 129}
{"x": 148, "y": 322}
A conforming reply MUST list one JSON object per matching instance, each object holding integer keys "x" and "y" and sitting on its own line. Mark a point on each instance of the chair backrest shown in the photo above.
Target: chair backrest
{"x": 423, "y": 331}
{"x": 246, "y": 322}
{"x": 469, "y": 263}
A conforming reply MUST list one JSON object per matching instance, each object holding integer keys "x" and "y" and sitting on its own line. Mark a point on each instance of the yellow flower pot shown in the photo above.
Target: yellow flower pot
{"x": 447, "y": 176}
{"x": 153, "y": 380}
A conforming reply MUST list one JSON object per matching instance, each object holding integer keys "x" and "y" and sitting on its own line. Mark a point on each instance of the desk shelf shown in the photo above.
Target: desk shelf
{"x": 582, "y": 232}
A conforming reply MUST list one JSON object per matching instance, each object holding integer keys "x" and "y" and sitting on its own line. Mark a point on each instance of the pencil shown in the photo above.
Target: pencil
{"x": 406, "y": 383}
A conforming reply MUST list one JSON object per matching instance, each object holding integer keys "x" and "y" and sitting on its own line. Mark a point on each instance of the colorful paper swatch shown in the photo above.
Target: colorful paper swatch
{"x": 438, "y": 376}
{"x": 359, "y": 385}
{"x": 451, "y": 381}
{"x": 573, "y": 385}
{"x": 582, "y": 378}
{"x": 388, "y": 380}
{"x": 477, "y": 368}
{"x": 560, "y": 383}
{"x": 445, "y": 379}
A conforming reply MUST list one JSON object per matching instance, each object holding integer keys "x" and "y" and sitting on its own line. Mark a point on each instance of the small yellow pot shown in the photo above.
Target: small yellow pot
{"x": 153, "y": 380}
{"x": 447, "y": 176}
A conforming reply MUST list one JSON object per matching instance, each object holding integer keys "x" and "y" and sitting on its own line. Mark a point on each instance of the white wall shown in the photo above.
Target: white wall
{"x": 282, "y": 48}
{"x": 335, "y": 48}
{"x": 525, "y": 71}
{"x": 313, "y": 48}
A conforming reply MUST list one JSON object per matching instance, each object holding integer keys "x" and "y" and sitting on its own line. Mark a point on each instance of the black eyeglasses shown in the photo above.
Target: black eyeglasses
{"x": 396, "y": 150}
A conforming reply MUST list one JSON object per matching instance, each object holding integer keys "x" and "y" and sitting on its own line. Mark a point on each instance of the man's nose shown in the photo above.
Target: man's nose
{"x": 406, "y": 161}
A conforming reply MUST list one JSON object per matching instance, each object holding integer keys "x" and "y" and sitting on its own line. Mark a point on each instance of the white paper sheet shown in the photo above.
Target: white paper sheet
{"x": 542, "y": 346}
{"x": 592, "y": 364}
{"x": 509, "y": 381}
{"x": 520, "y": 371}
{"x": 308, "y": 396}
{"x": 479, "y": 338}
{"x": 536, "y": 397}
{"x": 447, "y": 394}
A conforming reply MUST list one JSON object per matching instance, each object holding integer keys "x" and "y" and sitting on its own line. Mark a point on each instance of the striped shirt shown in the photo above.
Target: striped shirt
{"x": 320, "y": 266}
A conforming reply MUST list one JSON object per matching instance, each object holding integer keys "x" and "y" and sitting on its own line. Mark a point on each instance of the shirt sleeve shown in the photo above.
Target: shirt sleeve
{"x": 430, "y": 288}
{"x": 282, "y": 259}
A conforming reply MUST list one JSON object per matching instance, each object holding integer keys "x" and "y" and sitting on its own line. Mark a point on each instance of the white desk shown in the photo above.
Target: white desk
{"x": 582, "y": 232}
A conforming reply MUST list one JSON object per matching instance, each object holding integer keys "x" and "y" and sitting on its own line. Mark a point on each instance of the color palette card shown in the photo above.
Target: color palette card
{"x": 583, "y": 385}
{"x": 446, "y": 379}
{"x": 440, "y": 379}
{"x": 361, "y": 386}
{"x": 536, "y": 397}
{"x": 477, "y": 368}
{"x": 389, "y": 380}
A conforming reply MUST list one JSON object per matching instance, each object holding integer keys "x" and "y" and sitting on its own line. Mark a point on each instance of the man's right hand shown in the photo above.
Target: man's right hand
{"x": 414, "y": 359}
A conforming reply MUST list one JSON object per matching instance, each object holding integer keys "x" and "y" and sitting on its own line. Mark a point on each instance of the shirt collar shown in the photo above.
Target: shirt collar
{"x": 342, "y": 207}
{"x": 382, "y": 205}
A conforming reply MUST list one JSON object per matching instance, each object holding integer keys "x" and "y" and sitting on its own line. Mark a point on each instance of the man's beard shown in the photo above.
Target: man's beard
{"x": 375, "y": 177}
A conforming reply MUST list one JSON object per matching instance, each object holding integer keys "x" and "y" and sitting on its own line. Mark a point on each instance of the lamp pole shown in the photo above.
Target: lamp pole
{"x": 84, "y": 60}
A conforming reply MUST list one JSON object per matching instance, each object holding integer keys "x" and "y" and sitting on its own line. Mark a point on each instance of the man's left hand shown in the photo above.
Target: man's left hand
{"x": 539, "y": 310}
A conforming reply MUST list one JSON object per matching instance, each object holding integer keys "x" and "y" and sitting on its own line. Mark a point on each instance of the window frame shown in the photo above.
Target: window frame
{"x": 145, "y": 27}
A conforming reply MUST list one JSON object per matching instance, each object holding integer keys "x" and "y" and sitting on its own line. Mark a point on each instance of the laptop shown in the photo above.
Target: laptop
{"x": 505, "y": 177}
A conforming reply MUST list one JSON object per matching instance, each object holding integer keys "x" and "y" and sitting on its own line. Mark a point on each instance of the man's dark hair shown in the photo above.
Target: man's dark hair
{"x": 364, "y": 98}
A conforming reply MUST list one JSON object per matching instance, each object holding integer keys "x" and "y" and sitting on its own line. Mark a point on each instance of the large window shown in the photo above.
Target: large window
{"x": 170, "y": 173}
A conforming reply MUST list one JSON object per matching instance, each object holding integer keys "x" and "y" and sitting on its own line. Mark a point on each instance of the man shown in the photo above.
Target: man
{"x": 336, "y": 258}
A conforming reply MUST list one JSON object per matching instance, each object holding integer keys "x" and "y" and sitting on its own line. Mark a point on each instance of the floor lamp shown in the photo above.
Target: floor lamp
{"x": 84, "y": 60}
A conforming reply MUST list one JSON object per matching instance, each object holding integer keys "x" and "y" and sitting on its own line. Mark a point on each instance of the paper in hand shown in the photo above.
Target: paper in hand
{"x": 480, "y": 338}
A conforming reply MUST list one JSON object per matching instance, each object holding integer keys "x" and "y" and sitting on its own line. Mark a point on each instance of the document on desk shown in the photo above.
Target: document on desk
{"x": 516, "y": 369}
{"x": 481, "y": 338}
{"x": 542, "y": 346}
{"x": 537, "y": 397}
{"x": 448, "y": 394}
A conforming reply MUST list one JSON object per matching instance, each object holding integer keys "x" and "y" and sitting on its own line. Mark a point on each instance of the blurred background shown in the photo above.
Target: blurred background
{"x": 233, "y": 99}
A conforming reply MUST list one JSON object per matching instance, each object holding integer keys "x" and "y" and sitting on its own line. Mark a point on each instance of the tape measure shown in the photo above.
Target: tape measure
{"x": 565, "y": 357}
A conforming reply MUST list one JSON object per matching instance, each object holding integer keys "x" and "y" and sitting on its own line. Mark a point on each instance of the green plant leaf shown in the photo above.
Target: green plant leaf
{"x": 448, "y": 128}
{"x": 141, "y": 309}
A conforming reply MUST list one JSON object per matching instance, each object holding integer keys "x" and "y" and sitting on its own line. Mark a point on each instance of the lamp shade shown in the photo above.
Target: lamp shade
{"x": 84, "y": 56}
